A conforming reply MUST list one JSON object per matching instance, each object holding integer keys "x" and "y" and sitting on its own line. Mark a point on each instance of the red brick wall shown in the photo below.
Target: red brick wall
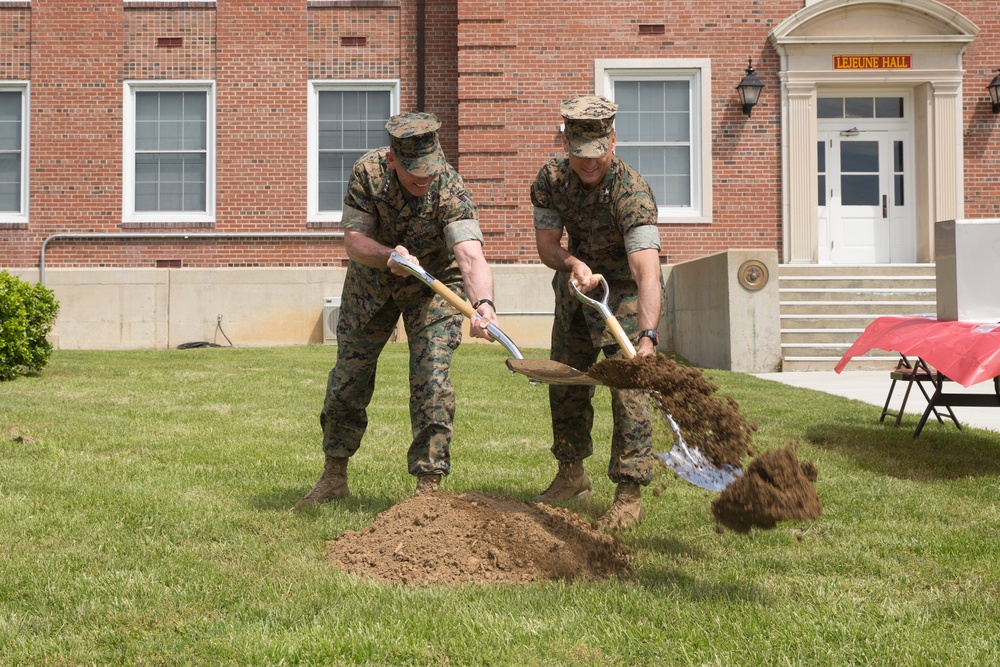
{"x": 261, "y": 97}
{"x": 16, "y": 247}
{"x": 522, "y": 59}
{"x": 981, "y": 127}
{"x": 495, "y": 74}
{"x": 76, "y": 99}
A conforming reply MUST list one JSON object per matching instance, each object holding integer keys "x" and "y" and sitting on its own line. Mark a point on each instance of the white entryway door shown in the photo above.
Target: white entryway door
{"x": 866, "y": 215}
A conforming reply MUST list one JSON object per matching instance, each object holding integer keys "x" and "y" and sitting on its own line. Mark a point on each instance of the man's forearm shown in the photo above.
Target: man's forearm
{"x": 365, "y": 250}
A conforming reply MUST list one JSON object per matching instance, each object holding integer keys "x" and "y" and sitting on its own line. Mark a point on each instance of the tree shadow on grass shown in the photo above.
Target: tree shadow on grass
{"x": 941, "y": 451}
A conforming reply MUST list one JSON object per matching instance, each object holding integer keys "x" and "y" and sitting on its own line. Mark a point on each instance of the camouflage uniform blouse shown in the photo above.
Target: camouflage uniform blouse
{"x": 597, "y": 222}
{"x": 428, "y": 226}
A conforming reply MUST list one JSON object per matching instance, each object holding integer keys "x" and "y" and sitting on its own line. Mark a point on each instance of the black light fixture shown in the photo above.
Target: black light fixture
{"x": 994, "y": 89}
{"x": 750, "y": 87}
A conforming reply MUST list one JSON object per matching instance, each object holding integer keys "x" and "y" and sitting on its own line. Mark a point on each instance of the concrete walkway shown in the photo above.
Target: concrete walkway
{"x": 872, "y": 387}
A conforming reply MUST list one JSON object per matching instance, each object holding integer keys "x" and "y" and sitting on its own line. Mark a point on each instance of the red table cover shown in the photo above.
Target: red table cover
{"x": 966, "y": 352}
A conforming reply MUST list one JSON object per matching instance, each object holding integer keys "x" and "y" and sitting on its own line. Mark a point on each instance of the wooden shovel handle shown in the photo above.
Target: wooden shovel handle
{"x": 609, "y": 318}
{"x": 455, "y": 300}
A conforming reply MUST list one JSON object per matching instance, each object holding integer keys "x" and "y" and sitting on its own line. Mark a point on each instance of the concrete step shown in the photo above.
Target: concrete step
{"x": 858, "y": 282}
{"x": 874, "y": 292}
{"x": 820, "y": 321}
{"x": 871, "y": 309}
{"x": 874, "y": 270}
{"x": 807, "y": 336}
{"x": 791, "y": 364}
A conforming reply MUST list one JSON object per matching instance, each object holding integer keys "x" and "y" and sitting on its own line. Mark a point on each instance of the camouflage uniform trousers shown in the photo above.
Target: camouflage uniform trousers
{"x": 351, "y": 384}
{"x": 573, "y": 411}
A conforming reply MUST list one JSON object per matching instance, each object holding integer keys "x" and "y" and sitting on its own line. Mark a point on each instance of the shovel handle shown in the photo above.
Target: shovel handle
{"x": 455, "y": 300}
{"x": 609, "y": 318}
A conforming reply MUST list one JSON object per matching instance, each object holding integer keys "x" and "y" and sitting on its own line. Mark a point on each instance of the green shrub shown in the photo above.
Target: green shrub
{"x": 27, "y": 314}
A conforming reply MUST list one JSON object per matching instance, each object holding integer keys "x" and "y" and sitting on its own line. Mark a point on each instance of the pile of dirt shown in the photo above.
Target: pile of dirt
{"x": 447, "y": 538}
{"x": 711, "y": 423}
{"x": 775, "y": 487}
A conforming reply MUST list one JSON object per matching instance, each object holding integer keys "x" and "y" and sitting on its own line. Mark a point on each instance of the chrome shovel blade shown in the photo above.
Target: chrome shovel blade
{"x": 693, "y": 466}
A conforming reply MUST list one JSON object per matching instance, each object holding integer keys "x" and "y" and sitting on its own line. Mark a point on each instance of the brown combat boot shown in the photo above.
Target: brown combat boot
{"x": 332, "y": 484}
{"x": 571, "y": 483}
{"x": 625, "y": 511}
{"x": 427, "y": 484}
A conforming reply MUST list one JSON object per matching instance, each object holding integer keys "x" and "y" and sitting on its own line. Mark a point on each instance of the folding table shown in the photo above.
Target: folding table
{"x": 964, "y": 352}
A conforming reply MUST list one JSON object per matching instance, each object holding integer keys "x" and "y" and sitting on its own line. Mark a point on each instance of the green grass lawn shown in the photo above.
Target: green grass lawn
{"x": 145, "y": 519}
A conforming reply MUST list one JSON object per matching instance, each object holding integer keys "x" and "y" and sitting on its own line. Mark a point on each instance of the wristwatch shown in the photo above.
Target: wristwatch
{"x": 651, "y": 334}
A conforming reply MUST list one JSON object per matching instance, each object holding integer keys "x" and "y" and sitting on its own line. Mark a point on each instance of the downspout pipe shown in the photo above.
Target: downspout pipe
{"x": 178, "y": 235}
{"x": 421, "y": 56}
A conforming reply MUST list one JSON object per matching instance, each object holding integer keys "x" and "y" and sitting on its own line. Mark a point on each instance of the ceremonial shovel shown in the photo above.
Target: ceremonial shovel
{"x": 689, "y": 464}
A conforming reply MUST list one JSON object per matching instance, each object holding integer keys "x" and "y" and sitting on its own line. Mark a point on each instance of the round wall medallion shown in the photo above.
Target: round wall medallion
{"x": 753, "y": 274}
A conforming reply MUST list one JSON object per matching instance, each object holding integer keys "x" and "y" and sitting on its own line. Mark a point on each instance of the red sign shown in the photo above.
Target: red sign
{"x": 871, "y": 62}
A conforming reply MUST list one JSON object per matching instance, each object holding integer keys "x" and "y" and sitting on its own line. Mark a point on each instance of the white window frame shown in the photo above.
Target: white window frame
{"x": 312, "y": 161}
{"x": 21, "y": 217}
{"x": 698, "y": 72}
{"x": 129, "y": 213}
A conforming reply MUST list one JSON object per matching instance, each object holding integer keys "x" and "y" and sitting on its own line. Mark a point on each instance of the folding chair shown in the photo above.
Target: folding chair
{"x": 914, "y": 373}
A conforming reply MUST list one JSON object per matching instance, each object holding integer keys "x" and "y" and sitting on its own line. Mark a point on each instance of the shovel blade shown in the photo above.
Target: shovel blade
{"x": 692, "y": 465}
{"x": 549, "y": 372}
{"x": 704, "y": 474}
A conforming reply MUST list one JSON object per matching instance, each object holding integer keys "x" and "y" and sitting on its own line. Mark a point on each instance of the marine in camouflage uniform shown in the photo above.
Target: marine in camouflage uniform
{"x": 434, "y": 229}
{"x": 609, "y": 213}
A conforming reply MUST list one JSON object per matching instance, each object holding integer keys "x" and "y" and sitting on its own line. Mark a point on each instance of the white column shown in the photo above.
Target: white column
{"x": 948, "y": 164}
{"x": 800, "y": 212}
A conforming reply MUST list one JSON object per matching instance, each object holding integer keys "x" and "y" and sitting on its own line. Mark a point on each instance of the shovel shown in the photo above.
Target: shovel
{"x": 536, "y": 370}
{"x": 689, "y": 463}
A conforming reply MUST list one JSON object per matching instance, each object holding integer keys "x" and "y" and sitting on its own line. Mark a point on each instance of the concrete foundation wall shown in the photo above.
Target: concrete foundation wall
{"x": 710, "y": 319}
{"x": 714, "y": 321}
{"x": 111, "y": 309}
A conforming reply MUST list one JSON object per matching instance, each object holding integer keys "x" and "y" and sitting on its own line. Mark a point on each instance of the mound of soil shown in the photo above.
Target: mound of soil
{"x": 775, "y": 487}
{"x": 447, "y": 538}
{"x": 711, "y": 423}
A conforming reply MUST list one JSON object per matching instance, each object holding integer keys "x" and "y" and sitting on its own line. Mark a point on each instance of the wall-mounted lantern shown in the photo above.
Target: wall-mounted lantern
{"x": 994, "y": 89}
{"x": 749, "y": 88}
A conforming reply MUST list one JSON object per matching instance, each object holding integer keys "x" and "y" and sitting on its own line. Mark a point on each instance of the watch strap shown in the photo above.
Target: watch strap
{"x": 651, "y": 334}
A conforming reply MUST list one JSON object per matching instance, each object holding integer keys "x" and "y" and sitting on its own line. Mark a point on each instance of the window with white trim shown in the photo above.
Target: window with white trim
{"x": 662, "y": 129}
{"x": 169, "y": 157}
{"x": 13, "y": 152}
{"x": 346, "y": 120}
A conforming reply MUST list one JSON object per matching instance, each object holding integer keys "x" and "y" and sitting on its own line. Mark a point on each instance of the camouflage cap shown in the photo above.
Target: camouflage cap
{"x": 414, "y": 142}
{"x": 590, "y": 121}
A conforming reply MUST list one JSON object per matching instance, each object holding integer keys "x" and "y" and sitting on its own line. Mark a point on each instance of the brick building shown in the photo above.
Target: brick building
{"x": 131, "y": 126}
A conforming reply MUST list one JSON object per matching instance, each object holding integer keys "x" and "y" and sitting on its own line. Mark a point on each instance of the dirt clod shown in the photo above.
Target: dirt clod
{"x": 775, "y": 487}
{"x": 443, "y": 538}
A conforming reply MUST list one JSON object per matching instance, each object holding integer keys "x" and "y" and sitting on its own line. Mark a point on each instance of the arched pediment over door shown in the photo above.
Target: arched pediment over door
{"x": 835, "y": 48}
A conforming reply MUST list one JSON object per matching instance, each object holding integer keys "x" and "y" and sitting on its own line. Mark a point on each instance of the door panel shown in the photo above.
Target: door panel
{"x": 865, "y": 215}
{"x": 859, "y": 182}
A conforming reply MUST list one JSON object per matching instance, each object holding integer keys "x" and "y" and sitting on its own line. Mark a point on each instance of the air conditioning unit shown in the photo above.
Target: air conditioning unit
{"x": 331, "y": 314}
